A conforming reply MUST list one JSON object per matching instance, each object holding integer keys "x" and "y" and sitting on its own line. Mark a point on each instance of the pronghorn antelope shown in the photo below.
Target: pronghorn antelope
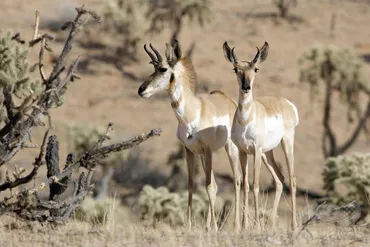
{"x": 258, "y": 128}
{"x": 204, "y": 120}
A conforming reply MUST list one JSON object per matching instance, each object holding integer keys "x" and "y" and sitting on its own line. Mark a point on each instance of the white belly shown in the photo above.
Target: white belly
{"x": 247, "y": 137}
{"x": 274, "y": 129}
{"x": 197, "y": 139}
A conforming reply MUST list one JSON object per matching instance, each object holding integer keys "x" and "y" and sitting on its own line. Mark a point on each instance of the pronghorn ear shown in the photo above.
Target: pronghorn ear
{"x": 261, "y": 54}
{"x": 176, "y": 48}
{"x": 169, "y": 53}
{"x": 229, "y": 53}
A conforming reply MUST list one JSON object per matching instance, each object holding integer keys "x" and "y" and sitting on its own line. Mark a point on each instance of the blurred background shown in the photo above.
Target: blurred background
{"x": 318, "y": 59}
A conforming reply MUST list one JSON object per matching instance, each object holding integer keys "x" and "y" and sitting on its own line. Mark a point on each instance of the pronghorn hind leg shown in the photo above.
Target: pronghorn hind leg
{"x": 211, "y": 186}
{"x": 233, "y": 155}
{"x": 288, "y": 147}
{"x": 208, "y": 220}
{"x": 190, "y": 160}
{"x": 256, "y": 186}
{"x": 278, "y": 191}
{"x": 244, "y": 165}
{"x": 275, "y": 165}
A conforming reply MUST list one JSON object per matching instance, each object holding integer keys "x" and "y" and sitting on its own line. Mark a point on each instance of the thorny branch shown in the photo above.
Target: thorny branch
{"x": 60, "y": 210}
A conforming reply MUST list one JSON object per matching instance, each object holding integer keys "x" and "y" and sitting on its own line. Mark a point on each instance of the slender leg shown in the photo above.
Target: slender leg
{"x": 211, "y": 186}
{"x": 190, "y": 160}
{"x": 288, "y": 147}
{"x": 233, "y": 154}
{"x": 278, "y": 192}
{"x": 271, "y": 160}
{"x": 208, "y": 222}
{"x": 244, "y": 165}
{"x": 256, "y": 188}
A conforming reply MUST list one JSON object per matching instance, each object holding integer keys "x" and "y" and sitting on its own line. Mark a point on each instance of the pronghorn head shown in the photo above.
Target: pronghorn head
{"x": 244, "y": 70}
{"x": 164, "y": 70}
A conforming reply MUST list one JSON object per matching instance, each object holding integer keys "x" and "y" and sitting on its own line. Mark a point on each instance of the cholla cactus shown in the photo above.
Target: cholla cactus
{"x": 351, "y": 173}
{"x": 342, "y": 68}
{"x": 122, "y": 17}
{"x": 15, "y": 74}
{"x": 82, "y": 138}
{"x": 340, "y": 71}
{"x": 161, "y": 205}
{"x": 173, "y": 12}
{"x": 96, "y": 212}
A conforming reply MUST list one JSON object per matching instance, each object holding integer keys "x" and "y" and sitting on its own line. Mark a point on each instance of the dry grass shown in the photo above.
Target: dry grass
{"x": 128, "y": 233}
{"x": 123, "y": 229}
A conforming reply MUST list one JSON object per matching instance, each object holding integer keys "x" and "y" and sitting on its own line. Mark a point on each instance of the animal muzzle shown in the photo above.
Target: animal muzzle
{"x": 142, "y": 88}
{"x": 246, "y": 85}
{"x": 246, "y": 89}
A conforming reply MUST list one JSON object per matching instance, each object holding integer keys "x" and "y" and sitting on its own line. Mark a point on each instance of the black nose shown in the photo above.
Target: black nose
{"x": 246, "y": 88}
{"x": 141, "y": 90}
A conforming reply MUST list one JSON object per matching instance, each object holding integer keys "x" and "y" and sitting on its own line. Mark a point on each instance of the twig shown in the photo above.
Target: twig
{"x": 37, "y": 21}
{"x": 36, "y": 166}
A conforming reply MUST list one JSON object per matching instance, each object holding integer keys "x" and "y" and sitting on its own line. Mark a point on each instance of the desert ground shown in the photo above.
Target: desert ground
{"x": 106, "y": 94}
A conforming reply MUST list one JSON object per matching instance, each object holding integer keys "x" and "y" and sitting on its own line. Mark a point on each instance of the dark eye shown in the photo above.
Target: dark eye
{"x": 235, "y": 70}
{"x": 162, "y": 70}
{"x": 256, "y": 70}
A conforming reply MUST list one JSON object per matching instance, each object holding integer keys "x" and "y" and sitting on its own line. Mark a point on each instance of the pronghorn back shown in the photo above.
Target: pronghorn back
{"x": 279, "y": 106}
{"x": 218, "y": 104}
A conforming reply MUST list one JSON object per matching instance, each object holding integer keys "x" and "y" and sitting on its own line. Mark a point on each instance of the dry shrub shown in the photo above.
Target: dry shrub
{"x": 161, "y": 205}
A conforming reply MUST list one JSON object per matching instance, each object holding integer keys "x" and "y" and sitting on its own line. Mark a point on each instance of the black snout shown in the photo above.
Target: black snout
{"x": 141, "y": 89}
{"x": 246, "y": 86}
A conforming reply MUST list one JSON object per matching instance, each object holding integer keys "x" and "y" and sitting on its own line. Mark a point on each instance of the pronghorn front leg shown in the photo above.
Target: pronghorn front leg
{"x": 256, "y": 186}
{"x": 211, "y": 186}
{"x": 190, "y": 160}
{"x": 233, "y": 155}
{"x": 244, "y": 165}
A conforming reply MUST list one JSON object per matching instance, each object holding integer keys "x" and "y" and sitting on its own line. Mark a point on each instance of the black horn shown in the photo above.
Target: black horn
{"x": 255, "y": 59}
{"x": 151, "y": 55}
{"x": 156, "y": 53}
{"x": 233, "y": 54}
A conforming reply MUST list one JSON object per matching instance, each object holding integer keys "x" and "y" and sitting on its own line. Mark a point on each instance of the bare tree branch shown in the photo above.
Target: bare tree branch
{"x": 33, "y": 173}
{"x": 102, "y": 152}
{"x": 356, "y": 132}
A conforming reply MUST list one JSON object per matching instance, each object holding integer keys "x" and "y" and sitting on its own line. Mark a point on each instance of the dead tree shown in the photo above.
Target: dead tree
{"x": 18, "y": 120}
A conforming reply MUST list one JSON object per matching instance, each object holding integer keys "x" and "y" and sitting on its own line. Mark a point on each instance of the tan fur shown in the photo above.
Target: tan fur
{"x": 204, "y": 126}
{"x": 191, "y": 75}
{"x": 259, "y": 127}
{"x": 279, "y": 105}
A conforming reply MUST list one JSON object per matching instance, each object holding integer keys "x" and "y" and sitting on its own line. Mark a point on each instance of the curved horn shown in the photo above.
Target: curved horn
{"x": 156, "y": 53}
{"x": 255, "y": 59}
{"x": 233, "y": 54}
{"x": 151, "y": 55}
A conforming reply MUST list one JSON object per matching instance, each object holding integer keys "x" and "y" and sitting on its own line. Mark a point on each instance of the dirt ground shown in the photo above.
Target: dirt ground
{"x": 244, "y": 24}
